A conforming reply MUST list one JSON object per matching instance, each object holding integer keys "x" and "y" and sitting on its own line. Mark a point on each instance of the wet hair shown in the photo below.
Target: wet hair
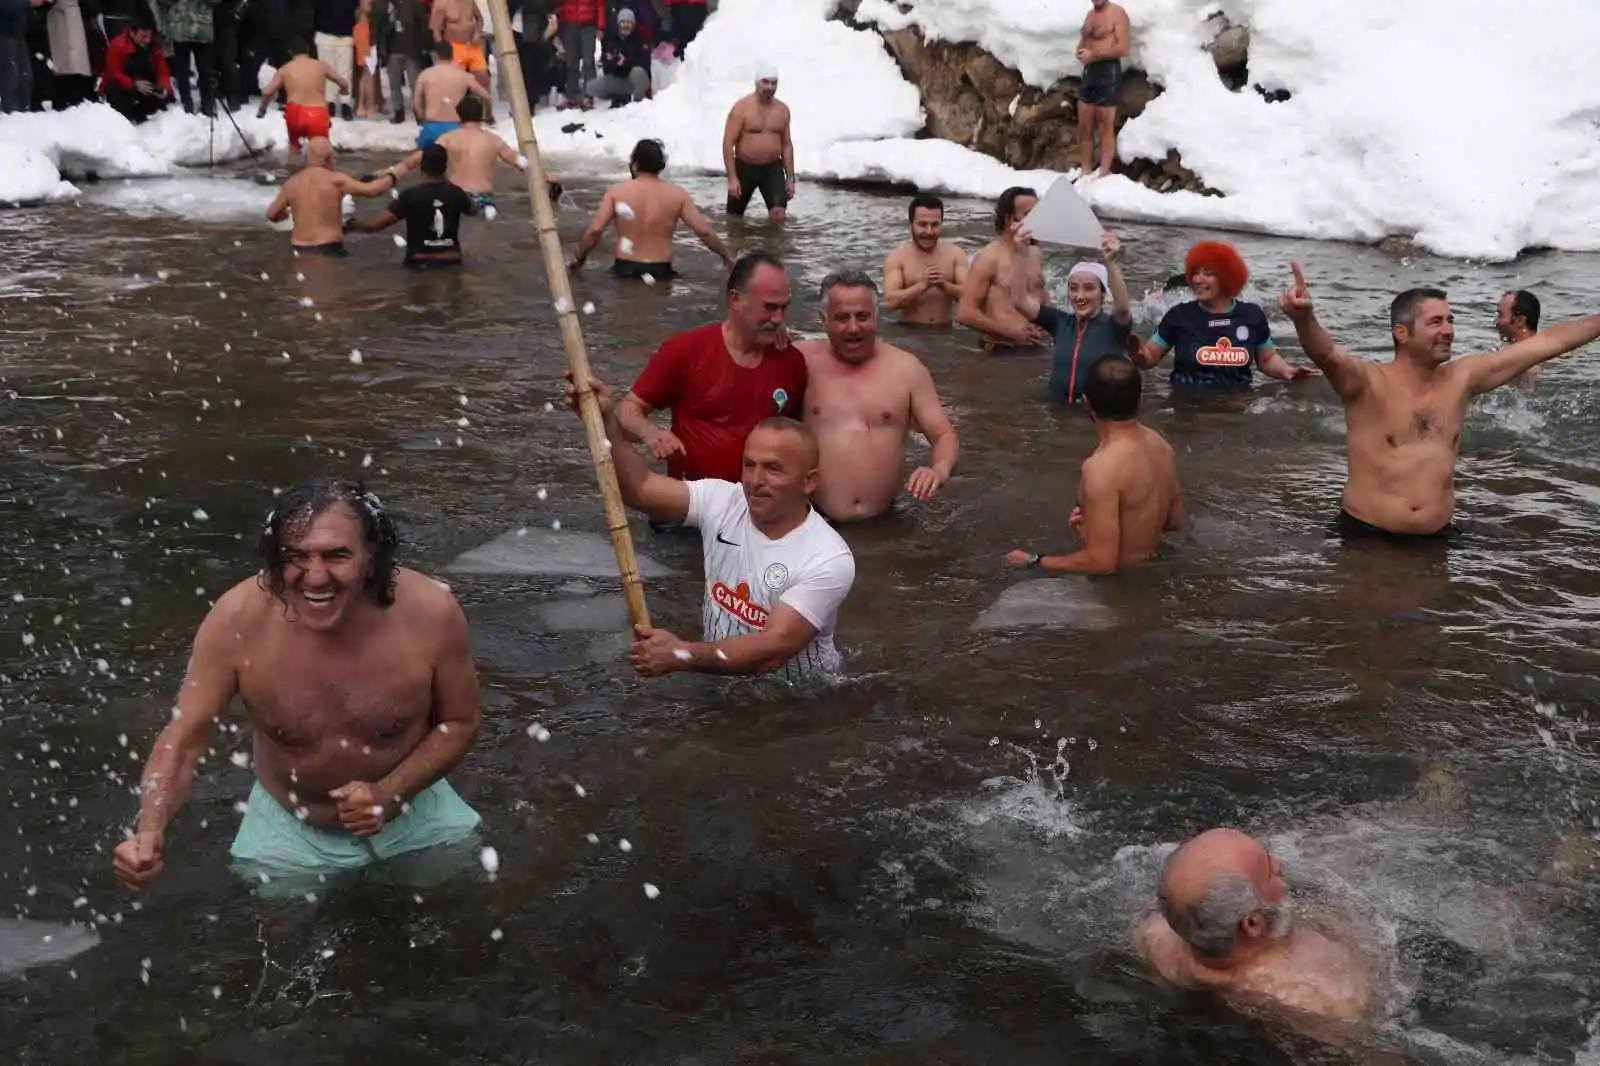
{"x": 1223, "y": 260}
{"x": 785, "y": 424}
{"x": 1005, "y": 208}
{"x": 1403, "y": 310}
{"x": 297, "y": 45}
{"x": 924, "y": 201}
{"x": 1113, "y": 389}
{"x": 1525, "y": 305}
{"x": 304, "y": 501}
{"x": 649, "y": 156}
{"x": 143, "y": 20}
{"x": 846, "y": 279}
{"x": 1210, "y": 925}
{"x": 435, "y": 160}
{"x": 746, "y": 266}
{"x": 442, "y": 50}
{"x": 469, "y": 109}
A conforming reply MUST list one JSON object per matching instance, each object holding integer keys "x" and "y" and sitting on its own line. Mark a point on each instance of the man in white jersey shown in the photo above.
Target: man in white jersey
{"x": 776, "y": 572}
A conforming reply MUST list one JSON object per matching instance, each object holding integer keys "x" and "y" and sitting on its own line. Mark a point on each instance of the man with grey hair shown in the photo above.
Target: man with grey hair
{"x": 1403, "y": 418}
{"x": 1226, "y": 925}
{"x": 862, "y": 397}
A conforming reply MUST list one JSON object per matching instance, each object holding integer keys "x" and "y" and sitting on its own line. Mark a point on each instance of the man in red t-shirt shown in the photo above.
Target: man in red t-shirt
{"x": 720, "y": 380}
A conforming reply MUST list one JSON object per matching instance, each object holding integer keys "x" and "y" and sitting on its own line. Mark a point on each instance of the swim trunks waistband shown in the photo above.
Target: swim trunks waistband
{"x": 421, "y": 262}
{"x": 273, "y": 842}
{"x": 432, "y": 131}
{"x": 332, "y": 248}
{"x": 897, "y": 507}
{"x": 630, "y": 268}
{"x": 1347, "y": 526}
{"x": 483, "y": 199}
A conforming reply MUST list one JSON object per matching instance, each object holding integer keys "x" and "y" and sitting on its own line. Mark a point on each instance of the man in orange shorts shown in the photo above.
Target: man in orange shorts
{"x": 303, "y": 80}
{"x": 459, "y": 23}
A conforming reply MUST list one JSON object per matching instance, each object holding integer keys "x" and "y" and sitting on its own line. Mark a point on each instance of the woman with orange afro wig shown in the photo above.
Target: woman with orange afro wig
{"x": 1216, "y": 338}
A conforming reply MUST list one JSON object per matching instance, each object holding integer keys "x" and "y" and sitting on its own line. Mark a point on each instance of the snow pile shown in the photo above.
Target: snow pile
{"x": 1411, "y": 118}
{"x": 1405, "y": 118}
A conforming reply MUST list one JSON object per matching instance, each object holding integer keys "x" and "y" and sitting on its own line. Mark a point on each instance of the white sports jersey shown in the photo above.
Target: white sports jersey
{"x": 747, "y": 575}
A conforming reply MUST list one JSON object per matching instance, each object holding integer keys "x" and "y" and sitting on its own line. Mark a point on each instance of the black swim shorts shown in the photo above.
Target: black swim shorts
{"x": 767, "y": 177}
{"x": 1347, "y": 526}
{"x": 629, "y": 268}
{"x": 1101, "y": 79}
{"x": 332, "y": 248}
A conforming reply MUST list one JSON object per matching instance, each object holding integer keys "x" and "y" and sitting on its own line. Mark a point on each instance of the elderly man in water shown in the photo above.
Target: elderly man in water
{"x": 357, "y": 676}
{"x": 1227, "y": 924}
{"x": 314, "y": 198}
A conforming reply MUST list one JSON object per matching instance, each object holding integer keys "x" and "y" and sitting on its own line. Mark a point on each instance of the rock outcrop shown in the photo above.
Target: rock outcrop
{"x": 973, "y": 99}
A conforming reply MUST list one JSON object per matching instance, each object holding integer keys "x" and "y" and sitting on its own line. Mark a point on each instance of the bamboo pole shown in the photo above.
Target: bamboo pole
{"x": 555, "y": 266}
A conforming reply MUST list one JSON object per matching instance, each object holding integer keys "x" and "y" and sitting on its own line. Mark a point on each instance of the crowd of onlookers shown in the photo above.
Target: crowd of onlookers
{"x": 140, "y": 56}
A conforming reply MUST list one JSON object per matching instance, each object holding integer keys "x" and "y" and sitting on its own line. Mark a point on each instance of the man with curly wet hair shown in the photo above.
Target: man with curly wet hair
{"x": 357, "y": 676}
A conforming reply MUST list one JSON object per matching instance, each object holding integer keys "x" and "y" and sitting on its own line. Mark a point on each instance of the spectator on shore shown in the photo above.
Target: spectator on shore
{"x": 71, "y": 62}
{"x": 136, "y": 81}
{"x": 227, "y": 81}
{"x": 624, "y": 63}
{"x": 335, "y": 28}
{"x": 534, "y": 26}
{"x": 580, "y": 22}
{"x": 16, "y": 66}
{"x": 683, "y": 22}
{"x": 400, "y": 30}
{"x": 190, "y": 28}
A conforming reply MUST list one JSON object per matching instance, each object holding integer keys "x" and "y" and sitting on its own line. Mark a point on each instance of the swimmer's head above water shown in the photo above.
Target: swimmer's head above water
{"x": 1517, "y": 316}
{"x": 1224, "y": 896}
{"x": 319, "y": 152}
{"x": 766, "y": 82}
{"x": 1423, "y": 326}
{"x": 1013, "y": 206}
{"x": 435, "y": 161}
{"x": 1215, "y": 271}
{"x": 926, "y": 216}
{"x": 850, "y": 315}
{"x": 649, "y": 157}
{"x": 325, "y": 546}
{"x": 469, "y": 109}
{"x": 758, "y": 299}
{"x": 1113, "y": 390}
{"x": 1086, "y": 289}
{"x": 779, "y": 470}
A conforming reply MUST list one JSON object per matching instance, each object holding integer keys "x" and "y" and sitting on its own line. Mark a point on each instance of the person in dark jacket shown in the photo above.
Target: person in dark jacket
{"x": 16, "y": 66}
{"x": 400, "y": 31}
{"x": 580, "y": 22}
{"x": 136, "y": 81}
{"x": 624, "y": 63}
{"x": 533, "y": 25}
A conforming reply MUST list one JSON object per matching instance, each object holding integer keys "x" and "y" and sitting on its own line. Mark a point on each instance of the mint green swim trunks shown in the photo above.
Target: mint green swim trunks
{"x": 276, "y": 848}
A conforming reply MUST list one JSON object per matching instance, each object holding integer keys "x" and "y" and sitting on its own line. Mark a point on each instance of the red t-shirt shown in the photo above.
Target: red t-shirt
{"x": 715, "y": 402}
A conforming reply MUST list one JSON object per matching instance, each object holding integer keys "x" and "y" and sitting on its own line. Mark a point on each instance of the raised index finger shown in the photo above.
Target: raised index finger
{"x": 1299, "y": 278}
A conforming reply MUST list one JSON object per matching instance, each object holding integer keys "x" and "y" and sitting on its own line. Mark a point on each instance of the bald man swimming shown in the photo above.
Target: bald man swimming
{"x": 1226, "y": 924}
{"x": 314, "y": 198}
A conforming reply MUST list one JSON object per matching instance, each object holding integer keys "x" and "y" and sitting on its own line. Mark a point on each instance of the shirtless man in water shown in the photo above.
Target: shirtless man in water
{"x": 458, "y": 24}
{"x": 923, "y": 278}
{"x": 646, "y": 211}
{"x": 1226, "y": 925}
{"x": 472, "y": 152}
{"x": 1128, "y": 495}
{"x": 437, "y": 92}
{"x": 358, "y": 679}
{"x": 1516, "y": 319}
{"x": 303, "y": 80}
{"x": 986, "y": 303}
{"x": 862, "y": 397}
{"x": 314, "y": 198}
{"x": 1403, "y": 418}
{"x": 757, "y": 152}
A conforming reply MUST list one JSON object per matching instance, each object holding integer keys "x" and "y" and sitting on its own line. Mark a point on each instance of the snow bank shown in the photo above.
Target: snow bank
{"x": 1406, "y": 118}
{"x": 1414, "y": 118}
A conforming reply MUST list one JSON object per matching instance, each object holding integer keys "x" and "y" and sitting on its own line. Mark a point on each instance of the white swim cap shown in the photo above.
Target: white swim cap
{"x": 1094, "y": 270}
{"x": 765, "y": 69}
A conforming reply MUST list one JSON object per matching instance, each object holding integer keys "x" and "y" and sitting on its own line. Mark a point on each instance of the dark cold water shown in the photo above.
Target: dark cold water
{"x": 933, "y": 863}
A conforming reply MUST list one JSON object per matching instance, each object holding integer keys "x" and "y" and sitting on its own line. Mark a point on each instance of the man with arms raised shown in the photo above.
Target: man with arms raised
{"x": 862, "y": 396}
{"x": 986, "y": 304}
{"x": 1226, "y": 924}
{"x": 776, "y": 573}
{"x": 757, "y": 152}
{"x": 922, "y": 278}
{"x": 646, "y": 211}
{"x": 1128, "y": 493}
{"x": 303, "y": 80}
{"x": 437, "y": 92}
{"x": 358, "y": 679}
{"x": 722, "y": 379}
{"x": 1403, "y": 418}
{"x": 314, "y": 197}
{"x": 1101, "y": 48}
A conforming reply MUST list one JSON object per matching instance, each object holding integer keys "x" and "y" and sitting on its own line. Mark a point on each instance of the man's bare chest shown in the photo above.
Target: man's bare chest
{"x": 861, "y": 404}
{"x": 298, "y": 698}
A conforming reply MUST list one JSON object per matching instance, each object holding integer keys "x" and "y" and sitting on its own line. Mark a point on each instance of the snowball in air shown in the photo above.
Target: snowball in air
{"x": 490, "y": 859}
{"x": 355, "y": 356}
{"x": 651, "y": 891}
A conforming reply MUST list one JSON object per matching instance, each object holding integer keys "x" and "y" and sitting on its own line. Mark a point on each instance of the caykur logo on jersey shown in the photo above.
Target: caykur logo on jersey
{"x": 736, "y": 601}
{"x": 781, "y": 398}
{"x": 1222, "y": 353}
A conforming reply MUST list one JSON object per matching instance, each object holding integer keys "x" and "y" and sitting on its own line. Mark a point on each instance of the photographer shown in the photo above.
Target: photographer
{"x": 136, "y": 81}
{"x": 624, "y": 63}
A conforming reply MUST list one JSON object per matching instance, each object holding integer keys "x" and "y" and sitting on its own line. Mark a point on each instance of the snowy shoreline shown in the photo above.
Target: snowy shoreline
{"x": 1471, "y": 154}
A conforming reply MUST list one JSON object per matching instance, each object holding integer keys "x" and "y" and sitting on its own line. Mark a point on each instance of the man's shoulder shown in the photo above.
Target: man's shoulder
{"x": 819, "y": 542}
{"x": 951, "y": 250}
{"x": 422, "y": 597}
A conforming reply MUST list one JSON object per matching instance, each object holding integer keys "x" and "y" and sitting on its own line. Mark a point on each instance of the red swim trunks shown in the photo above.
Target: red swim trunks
{"x": 305, "y": 122}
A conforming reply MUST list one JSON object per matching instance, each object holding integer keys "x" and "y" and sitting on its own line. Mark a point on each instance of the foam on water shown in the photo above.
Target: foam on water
{"x": 537, "y": 551}
{"x": 25, "y": 944}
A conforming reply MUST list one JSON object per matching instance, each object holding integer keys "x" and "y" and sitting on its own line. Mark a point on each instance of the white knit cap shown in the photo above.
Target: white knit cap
{"x": 1094, "y": 270}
